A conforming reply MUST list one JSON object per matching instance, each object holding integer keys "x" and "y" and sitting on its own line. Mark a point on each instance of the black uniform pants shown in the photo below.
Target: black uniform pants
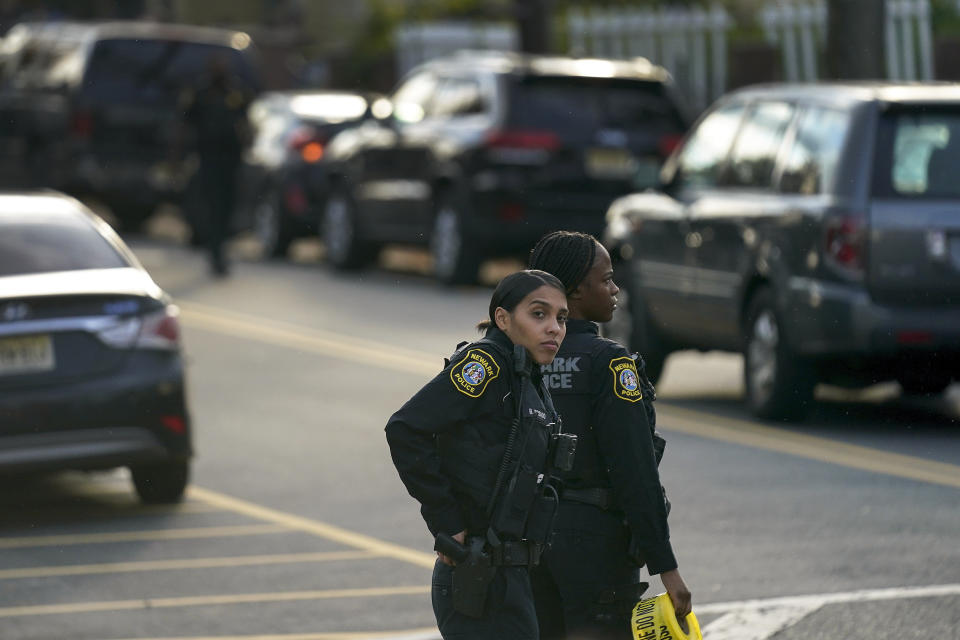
{"x": 509, "y": 612}
{"x": 218, "y": 178}
{"x": 587, "y": 556}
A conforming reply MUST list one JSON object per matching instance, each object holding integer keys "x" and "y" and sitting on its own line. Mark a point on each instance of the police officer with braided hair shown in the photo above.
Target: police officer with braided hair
{"x": 613, "y": 513}
{"x": 477, "y": 447}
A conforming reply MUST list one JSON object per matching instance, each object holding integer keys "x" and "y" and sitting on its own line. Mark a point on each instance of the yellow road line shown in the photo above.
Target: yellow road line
{"x": 189, "y": 563}
{"x": 210, "y": 600}
{"x": 749, "y": 434}
{"x": 321, "y": 529}
{"x": 301, "y": 338}
{"x": 697, "y": 423}
{"x": 129, "y": 536}
{"x": 410, "y": 634}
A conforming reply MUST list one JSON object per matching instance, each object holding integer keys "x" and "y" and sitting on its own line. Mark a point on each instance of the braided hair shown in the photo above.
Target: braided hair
{"x": 569, "y": 255}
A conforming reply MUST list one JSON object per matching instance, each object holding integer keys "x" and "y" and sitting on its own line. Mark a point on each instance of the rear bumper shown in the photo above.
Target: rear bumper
{"x": 84, "y": 449}
{"x": 133, "y": 415}
{"x": 826, "y": 319}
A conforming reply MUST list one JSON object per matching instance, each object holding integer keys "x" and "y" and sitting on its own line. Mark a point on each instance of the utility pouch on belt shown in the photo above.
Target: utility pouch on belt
{"x": 540, "y": 522}
{"x": 472, "y": 574}
{"x": 510, "y": 513}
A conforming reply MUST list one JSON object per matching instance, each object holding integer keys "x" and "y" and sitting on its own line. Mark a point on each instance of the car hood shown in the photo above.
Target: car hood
{"x": 124, "y": 281}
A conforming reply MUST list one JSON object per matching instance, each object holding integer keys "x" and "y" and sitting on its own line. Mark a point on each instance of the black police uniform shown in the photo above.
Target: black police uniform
{"x": 612, "y": 505}
{"x": 217, "y": 112}
{"x": 448, "y": 444}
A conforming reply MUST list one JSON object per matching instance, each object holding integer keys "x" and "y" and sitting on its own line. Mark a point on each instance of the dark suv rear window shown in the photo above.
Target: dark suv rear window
{"x": 40, "y": 246}
{"x": 584, "y": 105}
{"x": 919, "y": 153}
{"x": 154, "y": 71}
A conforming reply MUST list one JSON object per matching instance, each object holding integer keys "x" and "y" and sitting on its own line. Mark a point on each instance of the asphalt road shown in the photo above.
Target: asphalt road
{"x": 846, "y": 526}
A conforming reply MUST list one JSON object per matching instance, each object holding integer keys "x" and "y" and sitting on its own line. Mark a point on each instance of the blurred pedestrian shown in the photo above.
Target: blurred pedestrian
{"x": 471, "y": 445}
{"x": 216, "y": 115}
{"x": 613, "y": 511}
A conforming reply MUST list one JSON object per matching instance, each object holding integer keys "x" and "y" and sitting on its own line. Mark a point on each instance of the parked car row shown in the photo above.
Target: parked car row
{"x": 815, "y": 229}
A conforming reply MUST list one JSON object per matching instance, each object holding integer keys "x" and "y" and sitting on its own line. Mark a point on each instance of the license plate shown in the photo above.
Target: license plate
{"x": 26, "y": 354}
{"x": 610, "y": 163}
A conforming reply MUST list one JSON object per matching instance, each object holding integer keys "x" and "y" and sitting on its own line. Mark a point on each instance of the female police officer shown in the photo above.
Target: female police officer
{"x": 612, "y": 516}
{"x": 472, "y": 447}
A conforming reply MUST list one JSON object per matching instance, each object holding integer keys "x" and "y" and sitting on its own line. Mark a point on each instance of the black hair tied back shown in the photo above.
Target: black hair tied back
{"x": 514, "y": 288}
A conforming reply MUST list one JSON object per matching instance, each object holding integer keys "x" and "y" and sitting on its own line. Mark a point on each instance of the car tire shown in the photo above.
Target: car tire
{"x": 161, "y": 483}
{"x": 644, "y": 338}
{"x": 455, "y": 260}
{"x": 345, "y": 248}
{"x": 270, "y": 227}
{"x": 779, "y": 384}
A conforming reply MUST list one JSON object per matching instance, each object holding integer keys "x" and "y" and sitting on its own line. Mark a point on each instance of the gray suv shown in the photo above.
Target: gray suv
{"x": 814, "y": 228}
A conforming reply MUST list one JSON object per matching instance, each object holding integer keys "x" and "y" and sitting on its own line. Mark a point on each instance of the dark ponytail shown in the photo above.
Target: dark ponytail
{"x": 568, "y": 255}
{"x": 514, "y": 288}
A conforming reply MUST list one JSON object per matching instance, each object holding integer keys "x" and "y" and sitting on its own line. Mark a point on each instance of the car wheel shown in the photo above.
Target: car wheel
{"x": 779, "y": 384}
{"x": 924, "y": 383}
{"x": 269, "y": 226}
{"x": 345, "y": 249}
{"x": 454, "y": 260}
{"x": 161, "y": 483}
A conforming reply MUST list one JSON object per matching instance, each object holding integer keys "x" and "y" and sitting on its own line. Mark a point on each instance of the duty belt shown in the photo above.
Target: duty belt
{"x": 516, "y": 554}
{"x": 595, "y": 496}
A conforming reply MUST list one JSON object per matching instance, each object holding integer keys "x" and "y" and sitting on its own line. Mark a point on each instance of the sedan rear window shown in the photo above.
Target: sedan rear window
{"x": 919, "y": 154}
{"x": 41, "y": 246}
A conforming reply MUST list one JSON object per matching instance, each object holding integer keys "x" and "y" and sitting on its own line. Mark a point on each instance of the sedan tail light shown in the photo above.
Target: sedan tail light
{"x": 155, "y": 330}
{"x": 844, "y": 241}
{"x": 160, "y": 330}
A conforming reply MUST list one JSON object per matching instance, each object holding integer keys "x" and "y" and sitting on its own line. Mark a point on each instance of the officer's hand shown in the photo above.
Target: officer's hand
{"x": 460, "y": 537}
{"x": 679, "y": 595}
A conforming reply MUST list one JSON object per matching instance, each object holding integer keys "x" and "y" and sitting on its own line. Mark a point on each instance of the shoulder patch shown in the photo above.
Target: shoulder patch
{"x": 626, "y": 382}
{"x": 472, "y": 374}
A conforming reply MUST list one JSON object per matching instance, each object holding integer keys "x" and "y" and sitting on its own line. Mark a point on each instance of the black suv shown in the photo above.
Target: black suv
{"x": 91, "y": 108}
{"x": 814, "y": 228}
{"x": 484, "y": 152}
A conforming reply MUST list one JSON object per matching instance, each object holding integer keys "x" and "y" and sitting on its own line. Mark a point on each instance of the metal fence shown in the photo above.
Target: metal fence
{"x": 692, "y": 43}
{"x": 416, "y": 43}
{"x": 800, "y": 30}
